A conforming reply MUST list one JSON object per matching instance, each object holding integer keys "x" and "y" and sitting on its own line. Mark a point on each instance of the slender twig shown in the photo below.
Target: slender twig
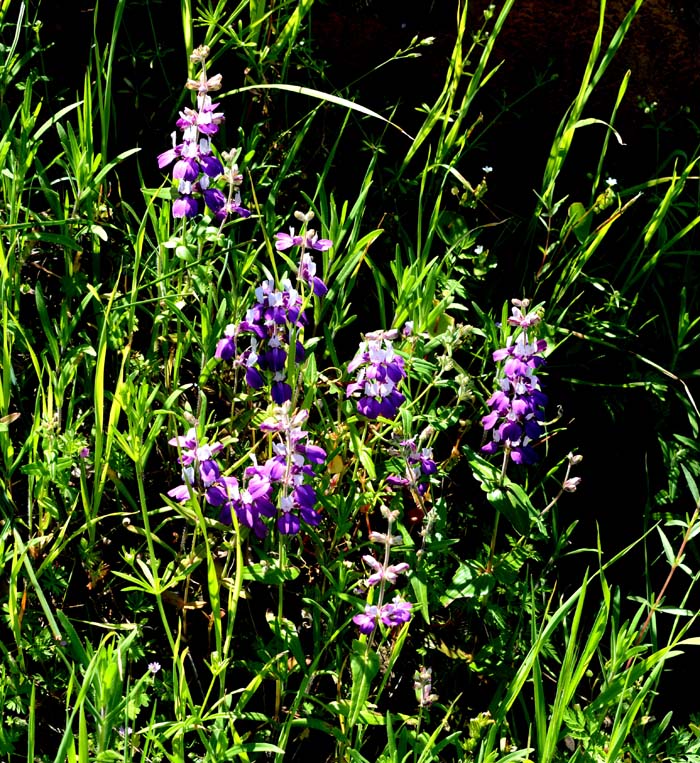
{"x": 674, "y": 566}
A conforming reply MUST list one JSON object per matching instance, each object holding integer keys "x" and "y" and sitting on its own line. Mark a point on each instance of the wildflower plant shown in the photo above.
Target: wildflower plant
{"x": 378, "y": 370}
{"x": 197, "y": 168}
{"x": 396, "y": 612}
{"x": 514, "y": 424}
{"x": 274, "y": 325}
{"x": 194, "y": 480}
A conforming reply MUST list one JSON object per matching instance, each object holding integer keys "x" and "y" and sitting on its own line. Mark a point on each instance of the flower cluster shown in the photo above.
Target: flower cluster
{"x": 516, "y": 408}
{"x": 270, "y": 322}
{"x": 423, "y": 686}
{"x": 275, "y": 318}
{"x": 419, "y": 465}
{"x": 291, "y": 468}
{"x": 199, "y": 469}
{"x": 393, "y": 614}
{"x": 396, "y": 612}
{"x": 196, "y": 166}
{"x": 307, "y": 266}
{"x": 379, "y": 370}
{"x": 279, "y": 487}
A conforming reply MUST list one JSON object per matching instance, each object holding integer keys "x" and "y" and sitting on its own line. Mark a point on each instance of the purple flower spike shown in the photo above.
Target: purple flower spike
{"x": 514, "y": 422}
{"x": 270, "y": 322}
{"x": 196, "y": 166}
{"x": 379, "y": 370}
{"x": 290, "y": 470}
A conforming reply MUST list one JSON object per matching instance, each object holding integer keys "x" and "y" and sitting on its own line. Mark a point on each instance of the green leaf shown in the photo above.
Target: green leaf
{"x": 420, "y": 590}
{"x": 327, "y": 97}
{"x": 364, "y": 664}
{"x": 269, "y": 573}
{"x": 506, "y": 503}
{"x": 469, "y": 582}
{"x": 286, "y": 631}
{"x": 580, "y": 220}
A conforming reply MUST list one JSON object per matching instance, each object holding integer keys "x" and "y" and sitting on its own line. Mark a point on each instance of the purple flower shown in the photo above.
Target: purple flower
{"x": 391, "y": 615}
{"x": 390, "y": 573}
{"x": 319, "y": 244}
{"x": 522, "y": 319}
{"x": 196, "y": 166}
{"x": 287, "y": 240}
{"x": 418, "y": 466}
{"x": 379, "y": 370}
{"x": 517, "y": 406}
{"x": 280, "y": 392}
{"x": 396, "y": 613}
{"x": 423, "y": 685}
{"x": 570, "y": 485}
{"x": 201, "y": 473}
{"x": 309, "y": 241}
{"x": 307, "y": 272}
{"x": 282, "y": 482}
{"x": 214, "y": 199}
{"x": 190, "y": 450}
{"x": 185, "y": 206}
{"x": 270, "y": 322}
{"x": 229, "y": 207}
{"x": 226, "y": 346}
{"x": 367, "y": 620}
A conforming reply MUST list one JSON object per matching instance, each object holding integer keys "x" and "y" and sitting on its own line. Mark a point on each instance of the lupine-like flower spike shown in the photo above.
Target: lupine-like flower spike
{"x": 280, "y": 487}
{"x": 196, "y": 166}
{"x": 269, "y": 322}
{"x": 379, "y": 371}
{"x": 291, "y": 469}
{"x": 419, "y": 465}
{"x": 517, "y": 406}
{"x": 273, "y": 319}
{"x": 309, "y": 240}
{"x": 396, "y": 612}
{"x": 423, "y": 685}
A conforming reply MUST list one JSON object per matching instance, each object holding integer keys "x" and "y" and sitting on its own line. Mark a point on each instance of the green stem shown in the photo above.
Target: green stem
{"x": 280, "y": 614}
{"x": 492, "y": 548}
{"x": 152, "y": 557}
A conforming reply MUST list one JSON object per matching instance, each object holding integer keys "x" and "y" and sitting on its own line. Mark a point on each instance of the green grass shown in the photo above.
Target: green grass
{"x": 139, "y": 627}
